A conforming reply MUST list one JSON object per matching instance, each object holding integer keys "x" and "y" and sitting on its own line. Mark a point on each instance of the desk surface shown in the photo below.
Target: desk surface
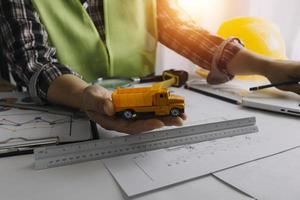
{"x": 91, "y": 179}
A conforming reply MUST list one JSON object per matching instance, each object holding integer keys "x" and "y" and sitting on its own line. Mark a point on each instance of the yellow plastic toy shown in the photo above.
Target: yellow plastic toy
{"x": 155, "y": 100}
{"x": 258, "y": 35}
{"x": 129, "y": 102}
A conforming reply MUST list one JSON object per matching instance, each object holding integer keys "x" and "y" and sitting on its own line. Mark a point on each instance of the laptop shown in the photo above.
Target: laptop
{"x": 237, "y": 91}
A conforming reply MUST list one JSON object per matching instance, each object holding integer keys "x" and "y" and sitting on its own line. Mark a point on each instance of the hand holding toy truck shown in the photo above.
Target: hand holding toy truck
{"x": 155, "y": 100}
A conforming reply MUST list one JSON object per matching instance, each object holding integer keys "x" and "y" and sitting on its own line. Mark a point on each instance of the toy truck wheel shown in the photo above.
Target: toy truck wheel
{"x": 175, "y": 112}
{"x": 128, "y": 114}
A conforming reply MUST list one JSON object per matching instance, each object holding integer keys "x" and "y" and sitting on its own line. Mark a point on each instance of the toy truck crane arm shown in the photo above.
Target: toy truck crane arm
{"x": 176, "y": 78}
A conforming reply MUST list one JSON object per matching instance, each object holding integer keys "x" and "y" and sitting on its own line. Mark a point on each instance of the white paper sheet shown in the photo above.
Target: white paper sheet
{"x": 90, "y": 180}
{"x": 273, "y": 178}
{"x": 234, "y": 90}
{"x": 31, "y": 124}
{"x": 143, "y": 172}
{"x": 22, "y": 100}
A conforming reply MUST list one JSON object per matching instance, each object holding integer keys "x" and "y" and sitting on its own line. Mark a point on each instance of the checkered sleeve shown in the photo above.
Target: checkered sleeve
{"x": 27, "y": 51}
{"x": 177, "y": 31}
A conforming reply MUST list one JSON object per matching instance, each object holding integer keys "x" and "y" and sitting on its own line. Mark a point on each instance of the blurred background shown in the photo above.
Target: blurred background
{"x": 209, "y": 14}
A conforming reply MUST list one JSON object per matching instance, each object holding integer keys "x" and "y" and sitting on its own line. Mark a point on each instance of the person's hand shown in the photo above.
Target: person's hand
{"x": 285, "y": 71}
{"x": 247, "y": 62}
{"x": 98, "y": 105}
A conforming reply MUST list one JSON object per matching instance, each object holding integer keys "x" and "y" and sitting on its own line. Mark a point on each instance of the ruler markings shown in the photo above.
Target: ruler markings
{"x": 54, "y": 156}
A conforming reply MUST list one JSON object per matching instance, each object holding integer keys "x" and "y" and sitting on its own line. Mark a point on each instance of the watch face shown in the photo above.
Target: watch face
{"x": 112, "y": 84}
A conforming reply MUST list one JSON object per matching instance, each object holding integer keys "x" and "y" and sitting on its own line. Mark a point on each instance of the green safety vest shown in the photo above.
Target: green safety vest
{"x": 131, "y": 37}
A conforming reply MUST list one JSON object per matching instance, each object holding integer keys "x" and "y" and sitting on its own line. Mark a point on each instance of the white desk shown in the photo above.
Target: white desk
{"x": 91, "y": 180}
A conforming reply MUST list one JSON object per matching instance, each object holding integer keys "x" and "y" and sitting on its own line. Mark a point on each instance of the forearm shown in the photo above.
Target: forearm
{"x": 277, "y": 71}
{"x": 28, "y": 55}
{"x": 179, "y": 32}
{"x": 246, "y": 62}
{"x": 67, "y": 90}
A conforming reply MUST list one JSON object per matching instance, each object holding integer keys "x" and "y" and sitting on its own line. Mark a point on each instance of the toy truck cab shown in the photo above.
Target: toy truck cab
{"x": 130, "y": 102}
{"x": 168, "y": 104}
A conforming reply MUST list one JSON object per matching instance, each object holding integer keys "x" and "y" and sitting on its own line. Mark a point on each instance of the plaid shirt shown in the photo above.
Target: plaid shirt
{"x": 26, "y": 48}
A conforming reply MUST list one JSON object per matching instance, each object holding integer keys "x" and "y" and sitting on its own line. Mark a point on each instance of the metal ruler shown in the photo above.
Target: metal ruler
{"x": 60, "y": 155}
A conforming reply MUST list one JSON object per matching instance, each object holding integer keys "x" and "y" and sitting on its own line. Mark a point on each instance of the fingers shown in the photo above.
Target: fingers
{"x": 216, "y": 80}
{"x": 183, "y": 116}
{"x": 292, "y": 88}
{"x": 173, "y": 121}
{"x": 126, "y": 126}
{"x": 136, "y": 126}
{"x": 295, "y": 76}
{"x": 99, "y": 107}
{"x": 287, "y": 71}
{"x": 109, "y": 108}
{"x": 106, "y": 106}
{"x": 98, "y": 99}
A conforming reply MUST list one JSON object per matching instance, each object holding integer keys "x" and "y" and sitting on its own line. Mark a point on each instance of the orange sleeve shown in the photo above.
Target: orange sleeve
{"x": 179, "y": 32}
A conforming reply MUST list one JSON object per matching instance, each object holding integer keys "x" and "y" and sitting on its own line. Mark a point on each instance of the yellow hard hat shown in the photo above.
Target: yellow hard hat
{"x": 258, "y": 35}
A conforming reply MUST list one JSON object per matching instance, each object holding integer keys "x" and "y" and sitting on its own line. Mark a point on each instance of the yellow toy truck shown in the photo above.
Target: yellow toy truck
{"x": 130, "y": 102}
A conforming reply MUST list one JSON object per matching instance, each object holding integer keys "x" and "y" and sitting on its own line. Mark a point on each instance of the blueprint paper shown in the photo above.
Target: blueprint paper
{"x": 22, "y": 100}
{"x": 273, "y": 178}
{"x": 31, "y": 124}
{"x": 39, "y": 122}
{"x": 144, "y": 172}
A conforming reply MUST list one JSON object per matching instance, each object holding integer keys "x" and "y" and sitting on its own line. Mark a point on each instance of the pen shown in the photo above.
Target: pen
{"x": 275, "y": 85}
{"x": 20, "y": 145}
